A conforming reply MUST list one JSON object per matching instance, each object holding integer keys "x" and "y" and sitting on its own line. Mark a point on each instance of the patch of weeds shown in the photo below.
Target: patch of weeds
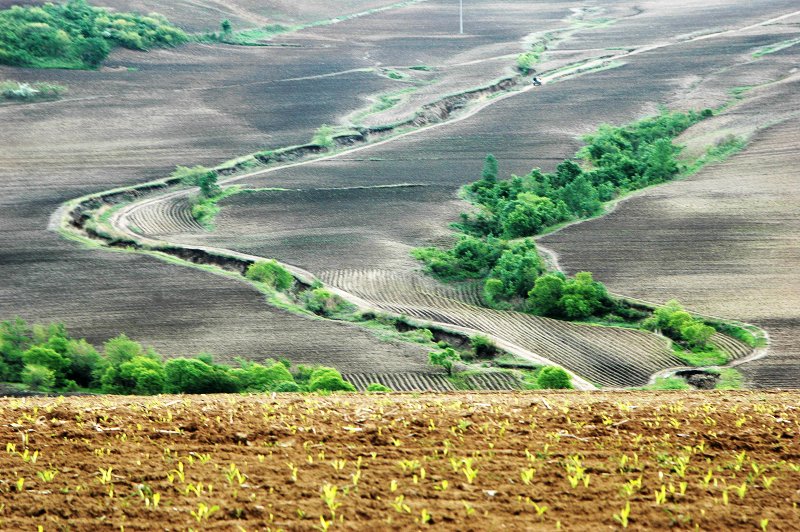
{"x": 668, "y": 383}
{"x": 771, "y": 49}
{"x": 423, "y": 68}
{"x": 709, "y": 355}
{"x": 27, "y": 92}
{"x": 729, "y": 379}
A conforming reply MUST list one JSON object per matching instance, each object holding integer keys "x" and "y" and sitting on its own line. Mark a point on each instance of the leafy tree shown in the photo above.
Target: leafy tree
{"x": 121, "y": 349}
{"x": 85, "y": 363}
{"x": 47, "y": 358}
{"x": 489, "y": 173}
{"x": 37, "y": 377}
{"x": 271, "y": 274}
{"x": 140, "y": 376}
{"x": 551, "y": 377}
{"x": 697, "y": 334}
{"x": 208, "y": 184}
{"x": 226, "y": 26}
{"x": 516, "y": 270}
{"x": 189, "y": 375}
{"x": 545, "y": 297}
{"x": 582, "y": 296}
{"x": 15, "y": 339}
{"x": 254, "y": 376}
{"x": 580, "y": 197}
{"x": 445, "y": 357}
{"x": 287, "y": 386}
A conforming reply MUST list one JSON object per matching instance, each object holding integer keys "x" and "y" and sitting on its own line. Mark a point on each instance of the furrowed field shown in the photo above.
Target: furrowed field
{"x": 456, "y": 461}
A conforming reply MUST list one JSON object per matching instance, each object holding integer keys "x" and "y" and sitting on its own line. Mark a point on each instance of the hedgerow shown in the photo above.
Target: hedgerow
{"x": 47, "y": 358}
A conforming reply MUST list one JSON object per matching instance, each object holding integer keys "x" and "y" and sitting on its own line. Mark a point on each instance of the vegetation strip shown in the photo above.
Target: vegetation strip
{"x": 77, "y": 35}
{"x": 617, "y": 161}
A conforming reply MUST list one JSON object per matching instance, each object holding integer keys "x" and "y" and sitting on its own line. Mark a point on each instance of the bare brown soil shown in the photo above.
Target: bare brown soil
{"x": 454, "y": 461}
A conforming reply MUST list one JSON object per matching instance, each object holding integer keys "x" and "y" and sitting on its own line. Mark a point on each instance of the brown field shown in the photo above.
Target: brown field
{"x": 458, "y": 461}
{"x": 202, "y": 104}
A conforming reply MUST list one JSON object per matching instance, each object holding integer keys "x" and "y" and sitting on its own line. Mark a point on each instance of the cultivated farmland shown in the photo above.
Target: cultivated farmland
{"x": 351, "y": 219}
{"x": 455, "y": 461}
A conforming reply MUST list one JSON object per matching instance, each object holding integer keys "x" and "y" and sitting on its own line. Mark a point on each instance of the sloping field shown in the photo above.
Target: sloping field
{"x": 135, "y": 120}
{"x": 317, "y": 229}
{"x": 724, "y": 241}
{"x": 453, "y": 461}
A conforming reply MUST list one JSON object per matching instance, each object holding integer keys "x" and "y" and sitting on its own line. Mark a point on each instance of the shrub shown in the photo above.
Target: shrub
{"x": 285, "y": 387}
{"x": 328, "y": 379}
{"x": 377, "y": 387}
{"x": 482, "y": 346}
{"x": 551, "y": 377}
{"x": 77, "y": 35}
{"x": 271, "y": 274}
{"x": 187, "y": 375}
{"x": 445, "y": 357}
{"x": 254, "y": 376}
{"x": 37, "y": 377}
{"x": 322, "y": 302}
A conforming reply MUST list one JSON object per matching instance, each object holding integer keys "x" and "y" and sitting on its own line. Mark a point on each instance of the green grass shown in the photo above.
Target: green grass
{"x": 729, "y": 379}
{"x": 708, "y": 356}
{"x": 29, "y": 92}
{"x": 205, "y": 210}
{"x": 668, "y": 383}
{"x": 771, "y": 49}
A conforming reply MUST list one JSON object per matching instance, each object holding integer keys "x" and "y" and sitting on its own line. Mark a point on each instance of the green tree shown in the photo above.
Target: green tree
{"x": 256, "y": 377}
{"x": 545, "y": 297}
{"x": 189, "y": 375}
{"x": 85, "y": 363}
{"x": 140, "y": 376}
{"x": 445, "y": 358}
{"x": 697, "y": 334}
{"x": 489, "y": 173}
{"x": 583, "y": 296}
{"x": 37, "y": 377}
{"x": 121, "y": 349}
{"x": 516, "y": 270}
{"x": 47, "y": 358}
{"x": 555, "y": 378}
{"x": 226, "y": 27}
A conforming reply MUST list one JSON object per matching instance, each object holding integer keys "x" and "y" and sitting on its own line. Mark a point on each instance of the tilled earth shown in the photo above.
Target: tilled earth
{"x": 466, "y": 461}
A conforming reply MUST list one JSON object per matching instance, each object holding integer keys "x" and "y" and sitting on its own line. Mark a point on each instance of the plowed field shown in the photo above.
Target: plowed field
{"x": 451, "y": 461}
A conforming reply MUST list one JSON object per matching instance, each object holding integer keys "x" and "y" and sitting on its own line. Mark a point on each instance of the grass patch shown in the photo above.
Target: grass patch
{"x": 27, "y": 92}
{"x": 700, "y": 357}
{"x": 729, "y": 379}
{"x": 771, "y": 49}
{"x": 668, "y": 383}
{"x": 205, "y": 210}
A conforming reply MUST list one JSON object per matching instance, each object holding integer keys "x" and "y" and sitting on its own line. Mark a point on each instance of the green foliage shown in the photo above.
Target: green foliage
{"x": 226, "y": 27}
{"x": 323, "y": 137}
{"x": 674, "y": 322}
{"x": 77, "y": 35}
{"x": 37, "y": 377}
{"x": 256, "y": 377}
{"x": 377, "y": 387}
{"x": 271, "y": 274}
{"x": 551, "y": 377}
{"x": 482, "y": 346}
{"x": 121, "y": 349}
{"x": 47, "y": 358}
{"x": 139, "y": 375}
{"x": 14, "y": 90}
{"x": 289, "y": 386}
{"x": 556, "y": 296}
{"x": 489, "y": 173}
{"x": 729, "y": 379}
{"x": 470, "y": 258}
{"x": 669, "y": 383}
{"x": 514, "y": 273}
{"x": 328, "y": 379}
{"x": 445, "y": 357}
{"x": 526, "y": 60}
{"x": 323, "y": 302}
{"x": 189, "y": 375}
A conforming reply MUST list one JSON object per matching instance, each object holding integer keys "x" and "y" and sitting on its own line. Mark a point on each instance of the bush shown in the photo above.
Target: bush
{"x": 377, "y": 387}
{"x": 271, "y": 274}
{"x": 322, "y": 302}
{"x": 551, "y": 377}
{"x": 286, "y": 387}
{"x": 445, "y": 357}
{"x": 253, "y": 376}
{"x": 482, "y": 346}
{"x": 187, "y": 375}
{"x": 328, "y": 379}
{"x": 37, "y": 377}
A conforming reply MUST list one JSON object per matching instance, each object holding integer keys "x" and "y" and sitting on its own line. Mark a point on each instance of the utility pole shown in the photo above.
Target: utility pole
{"x": 461, "y": 16}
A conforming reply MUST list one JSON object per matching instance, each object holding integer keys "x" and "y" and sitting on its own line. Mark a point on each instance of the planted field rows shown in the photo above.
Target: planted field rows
{"x": 164, "y": 217}
{"x": 453, "y": 461}
{"x": 421, "y": 382}
{"x": 604, "y": 355}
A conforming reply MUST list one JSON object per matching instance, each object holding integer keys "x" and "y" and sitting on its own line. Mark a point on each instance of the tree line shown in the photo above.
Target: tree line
{"x": 47, "y": 357}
